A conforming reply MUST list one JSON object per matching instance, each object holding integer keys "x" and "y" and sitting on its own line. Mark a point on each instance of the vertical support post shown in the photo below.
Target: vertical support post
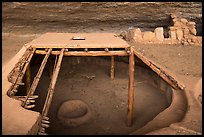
{"x": 28, "y": 81}
{"x": 131, "y": 89}
{"x": 112, "y": 68}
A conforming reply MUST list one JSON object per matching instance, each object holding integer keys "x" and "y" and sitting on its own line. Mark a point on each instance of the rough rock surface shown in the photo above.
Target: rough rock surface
{"x": 32, "y": 17}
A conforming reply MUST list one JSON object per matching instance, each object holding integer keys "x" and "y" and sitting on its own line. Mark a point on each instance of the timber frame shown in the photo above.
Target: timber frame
{"x": 50, "y": 44}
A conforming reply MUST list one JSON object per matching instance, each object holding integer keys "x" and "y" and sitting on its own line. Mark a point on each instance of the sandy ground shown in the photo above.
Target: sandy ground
{"x": 184, "y": 61}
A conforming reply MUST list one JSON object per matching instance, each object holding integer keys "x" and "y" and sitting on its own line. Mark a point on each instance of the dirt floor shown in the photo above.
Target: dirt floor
{"x": 184, "y": 61}
{"x": 107, "y": 99}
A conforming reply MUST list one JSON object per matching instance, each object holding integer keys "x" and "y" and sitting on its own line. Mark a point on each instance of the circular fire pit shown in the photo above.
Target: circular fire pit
{"x": 73, "y": 113}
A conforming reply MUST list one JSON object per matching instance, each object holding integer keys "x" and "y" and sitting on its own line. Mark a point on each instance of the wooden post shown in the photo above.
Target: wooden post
{"x": 28, "y": 78}
{"x": 131, "y": 89}
{"x": 112, "y": 68}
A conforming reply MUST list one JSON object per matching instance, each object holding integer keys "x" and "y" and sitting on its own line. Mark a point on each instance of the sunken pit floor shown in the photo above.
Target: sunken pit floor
{"x": 88, "y": 79}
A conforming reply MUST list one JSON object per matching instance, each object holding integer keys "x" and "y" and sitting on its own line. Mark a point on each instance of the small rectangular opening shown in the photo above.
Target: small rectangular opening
{"x": 78, "y": 38}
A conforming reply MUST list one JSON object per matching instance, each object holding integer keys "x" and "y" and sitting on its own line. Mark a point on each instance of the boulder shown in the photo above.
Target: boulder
{"x": 179, "y": 34}
{"x": 183, "y": 20}
{"x": 159, "y": 33}
{"x": 171, "y": 28}
{"x": 134, "y": 34}
{"x": 193, "y": 38}
{"x": 129, "y": 35}
{"x": 190, "y": 23}
{"x": 192, "y": 31}
{"x": 137, "y": 34}
{"x": 186, "y": 31}
{"x": 172, "y": 34}
{"x": 148, "y": 36}
{"x": 184, "y": 42}
{"x": 178, "y": 24}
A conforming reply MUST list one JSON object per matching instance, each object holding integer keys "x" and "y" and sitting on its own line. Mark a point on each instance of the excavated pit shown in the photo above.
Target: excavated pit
{"x": 88, "y": 79}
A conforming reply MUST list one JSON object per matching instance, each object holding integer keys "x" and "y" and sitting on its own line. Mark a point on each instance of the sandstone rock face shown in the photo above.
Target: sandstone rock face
{"x": 42, "y": 17}
{"x": 159, "y": 33}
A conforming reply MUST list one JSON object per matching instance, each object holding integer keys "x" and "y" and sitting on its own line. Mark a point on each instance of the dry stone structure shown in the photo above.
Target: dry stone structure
{"x": 184, "y": 31}
{"x": 180, "y": 31}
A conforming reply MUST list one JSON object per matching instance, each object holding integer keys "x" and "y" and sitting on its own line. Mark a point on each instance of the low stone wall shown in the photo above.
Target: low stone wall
{"x": 180, "y": 31}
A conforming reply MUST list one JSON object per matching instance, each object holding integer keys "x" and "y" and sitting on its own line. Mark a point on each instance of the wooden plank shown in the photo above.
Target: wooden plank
{"x": 169, "y": 79}
{"x": 112, "y": 68}
{"x": 131, "y": 89}
{"x": 88, "y": 53}
{"x": 37, "y": 77}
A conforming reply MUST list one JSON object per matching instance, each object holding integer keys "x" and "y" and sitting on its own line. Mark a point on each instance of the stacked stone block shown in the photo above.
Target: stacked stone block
{"x": 183, "y": 30}
{"x": 180, "y": 31}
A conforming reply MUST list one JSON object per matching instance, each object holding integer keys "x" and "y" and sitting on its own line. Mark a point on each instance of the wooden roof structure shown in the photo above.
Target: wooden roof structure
{"x": 81, "y": 44}
{"x": 78, "y": 40}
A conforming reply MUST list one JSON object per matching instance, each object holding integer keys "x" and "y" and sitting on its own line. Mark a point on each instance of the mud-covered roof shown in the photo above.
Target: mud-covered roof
{"x": 87, "y": 40}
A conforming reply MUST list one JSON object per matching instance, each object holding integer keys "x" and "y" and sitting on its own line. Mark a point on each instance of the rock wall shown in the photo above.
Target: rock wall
{"x": 40, "y": 17}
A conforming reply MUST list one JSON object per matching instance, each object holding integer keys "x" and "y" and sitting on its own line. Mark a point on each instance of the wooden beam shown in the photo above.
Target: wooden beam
{"x": 51, "y": 91}
{"x": 13, "y": 89}
{"x": 112, "y": 68}
{"x": 169, "y": 79}
{"x": 28, "y": 81}
{"x": 88, "y": 53}
{"x": 82, "y": 46}
{"x": 131, "y": 89}
{"x": 52, "y": 84}
{"x": 18, "y": 67}
{"x": 37, "y": 77}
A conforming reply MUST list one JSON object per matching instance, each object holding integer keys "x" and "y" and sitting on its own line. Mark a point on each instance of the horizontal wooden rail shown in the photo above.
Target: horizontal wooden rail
{"x": 89, "y": 53}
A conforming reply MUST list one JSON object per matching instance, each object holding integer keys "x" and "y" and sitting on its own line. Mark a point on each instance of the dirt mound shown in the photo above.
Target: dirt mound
{"x": 74, "y": 113}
